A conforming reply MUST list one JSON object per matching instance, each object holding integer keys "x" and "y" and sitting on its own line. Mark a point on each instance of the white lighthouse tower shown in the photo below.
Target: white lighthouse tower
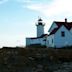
{"x": 40, "y": 27}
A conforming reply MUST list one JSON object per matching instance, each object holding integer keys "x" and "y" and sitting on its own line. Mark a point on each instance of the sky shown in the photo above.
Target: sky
{"x": 19, "y": 17}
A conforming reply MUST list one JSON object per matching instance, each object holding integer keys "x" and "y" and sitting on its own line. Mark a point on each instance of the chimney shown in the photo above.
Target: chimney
{"x": 65, "y": 20}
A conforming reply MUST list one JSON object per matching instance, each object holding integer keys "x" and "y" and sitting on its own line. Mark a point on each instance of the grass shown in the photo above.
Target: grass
{"x": 19, "y": 58}
{"x": 34, "y": 51}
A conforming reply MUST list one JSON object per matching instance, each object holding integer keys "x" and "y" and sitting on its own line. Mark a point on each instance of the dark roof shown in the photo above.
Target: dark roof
{"x": 39, "y": 19}
{"x": 43, "y": 35}
{"x": 34, "y": 38}
{"x": 54, "y": 31}
{"x": 40, "y": 36}
{"x": 68, "y": 25}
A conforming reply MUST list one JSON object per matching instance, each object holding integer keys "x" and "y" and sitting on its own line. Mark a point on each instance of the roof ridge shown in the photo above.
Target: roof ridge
{"x": 61, "y": 22}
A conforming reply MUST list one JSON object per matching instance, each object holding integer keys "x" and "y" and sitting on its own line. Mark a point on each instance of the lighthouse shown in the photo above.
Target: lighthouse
{"x": 40, "y": 27}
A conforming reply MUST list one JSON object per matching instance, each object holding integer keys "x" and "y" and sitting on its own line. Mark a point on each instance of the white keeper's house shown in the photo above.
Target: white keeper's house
{"x": 60, "y": 35}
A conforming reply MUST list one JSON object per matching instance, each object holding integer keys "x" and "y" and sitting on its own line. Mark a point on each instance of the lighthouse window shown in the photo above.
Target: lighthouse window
{"x": 40, "y": 23}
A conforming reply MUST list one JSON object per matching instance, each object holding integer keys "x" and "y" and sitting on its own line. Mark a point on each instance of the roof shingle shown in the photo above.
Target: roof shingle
{"x": 68, "y": 26}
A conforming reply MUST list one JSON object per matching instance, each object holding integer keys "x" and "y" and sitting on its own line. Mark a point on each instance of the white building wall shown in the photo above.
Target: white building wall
{"x": 40, "y": 30}
{"x": 71, "y": 30}
{"x": 35, "y": 41}
{"x": 60, "y": 41}
{"x": 43, "y": 41}
{"x": 28, "y": 41}
{"x": 53, "y": 26}
{"x": 50, "y": 41}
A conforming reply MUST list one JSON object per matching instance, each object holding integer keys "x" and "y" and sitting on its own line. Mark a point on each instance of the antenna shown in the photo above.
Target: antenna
{"x": 39, "y": 17}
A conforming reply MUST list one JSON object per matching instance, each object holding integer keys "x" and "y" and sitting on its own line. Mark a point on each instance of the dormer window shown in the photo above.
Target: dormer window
{"x": 63, "y": 34}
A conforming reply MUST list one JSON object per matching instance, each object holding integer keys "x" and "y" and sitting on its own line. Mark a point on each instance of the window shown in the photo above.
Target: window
{"x": 52, "y": 40}
{"x": 63, "y": 34}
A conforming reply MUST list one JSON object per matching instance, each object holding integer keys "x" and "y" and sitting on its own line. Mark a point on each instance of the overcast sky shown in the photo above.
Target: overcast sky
{"x": 18, "y": 18}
